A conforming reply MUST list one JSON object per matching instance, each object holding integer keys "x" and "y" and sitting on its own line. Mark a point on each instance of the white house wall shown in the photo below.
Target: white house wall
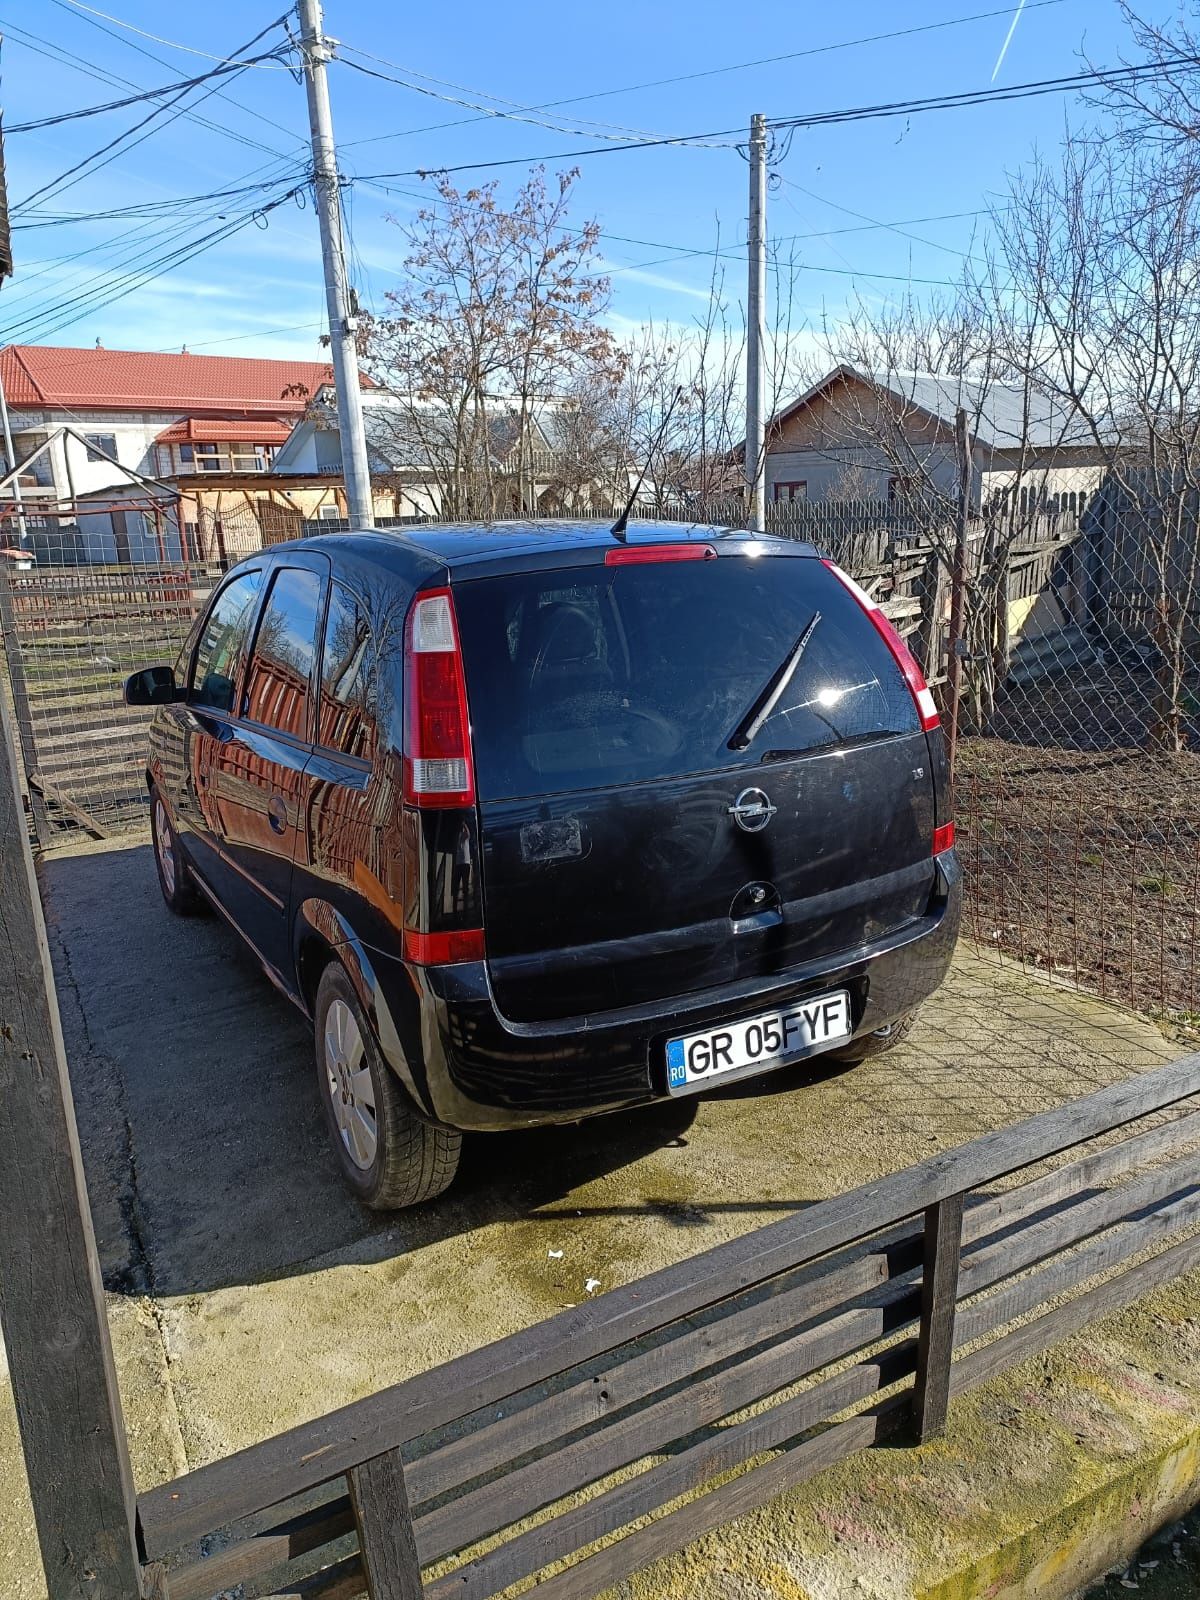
{"x": 134, "y": 436}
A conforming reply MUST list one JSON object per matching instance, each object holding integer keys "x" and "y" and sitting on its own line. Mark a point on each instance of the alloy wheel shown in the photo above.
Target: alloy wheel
{"x": 348, "y": 1081}
{"x": 164, "y": 847}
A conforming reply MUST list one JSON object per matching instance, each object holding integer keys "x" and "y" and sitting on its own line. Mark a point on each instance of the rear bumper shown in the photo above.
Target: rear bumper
{"x": 474, "y": 1069}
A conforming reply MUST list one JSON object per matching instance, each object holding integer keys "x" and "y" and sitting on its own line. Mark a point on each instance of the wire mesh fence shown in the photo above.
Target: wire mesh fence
{"x": 1077, "y": 792}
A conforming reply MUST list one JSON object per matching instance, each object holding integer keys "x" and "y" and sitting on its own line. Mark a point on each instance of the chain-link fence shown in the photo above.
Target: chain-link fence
{"x": 1077, "y": 798}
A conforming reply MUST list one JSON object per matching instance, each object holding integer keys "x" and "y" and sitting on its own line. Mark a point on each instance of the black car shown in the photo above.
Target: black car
{"x": 534, "y": 821}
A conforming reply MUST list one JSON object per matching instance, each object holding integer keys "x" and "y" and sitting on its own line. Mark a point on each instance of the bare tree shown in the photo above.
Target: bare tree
{"x": 1106, "y": 249}
{"x": 904, "y": 372}
{"x": 499, "y": 312}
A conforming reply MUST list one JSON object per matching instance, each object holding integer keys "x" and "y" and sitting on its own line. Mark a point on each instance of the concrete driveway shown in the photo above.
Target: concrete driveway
{"x": 248, "y": 1292}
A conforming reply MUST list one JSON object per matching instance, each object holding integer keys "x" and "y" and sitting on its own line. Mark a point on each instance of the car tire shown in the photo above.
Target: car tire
{"x": 389, "y": 1155}
{"x": 174, "y": 875}
{"x": 874, "y": 1044}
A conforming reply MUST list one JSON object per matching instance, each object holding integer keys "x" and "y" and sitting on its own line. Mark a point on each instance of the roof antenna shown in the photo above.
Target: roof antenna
{"x": 619, "y": 529}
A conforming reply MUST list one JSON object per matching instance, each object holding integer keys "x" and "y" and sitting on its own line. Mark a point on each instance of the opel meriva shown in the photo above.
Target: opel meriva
{"x": 535, "y": 822}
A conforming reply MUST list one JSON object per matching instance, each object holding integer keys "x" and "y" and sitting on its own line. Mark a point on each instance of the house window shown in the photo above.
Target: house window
{"x": 792, "y": 489}
{"x": 328, "y": 513}
{"x": 185, "y": 453}
{"x": 100, "y": 445}
{"x": 899, "y": 486}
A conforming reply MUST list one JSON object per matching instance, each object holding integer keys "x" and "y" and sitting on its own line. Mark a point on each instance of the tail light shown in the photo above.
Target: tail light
{"x": 901, "y": 654}
{"x": 443, "y": 949}
{"x": 943, "y": 839}
{"x": 438, "y": 767}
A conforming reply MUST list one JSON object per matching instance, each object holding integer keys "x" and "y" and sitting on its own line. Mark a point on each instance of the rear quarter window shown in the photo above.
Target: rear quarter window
{"x": 616, "y": 675}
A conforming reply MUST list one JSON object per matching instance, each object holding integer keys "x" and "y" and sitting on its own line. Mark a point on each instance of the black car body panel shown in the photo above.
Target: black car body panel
{"x": 622, "y": 905}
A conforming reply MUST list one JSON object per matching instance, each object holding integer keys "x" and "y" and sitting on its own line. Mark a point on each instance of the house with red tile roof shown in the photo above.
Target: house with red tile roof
{"x": 155, "y": 413}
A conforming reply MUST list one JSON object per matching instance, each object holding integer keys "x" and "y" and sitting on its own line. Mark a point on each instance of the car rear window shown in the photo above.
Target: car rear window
{"x": 594, "y": 676}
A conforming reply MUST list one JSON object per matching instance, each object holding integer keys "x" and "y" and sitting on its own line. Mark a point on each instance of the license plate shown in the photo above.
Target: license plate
{"x": 764, "y": 1041}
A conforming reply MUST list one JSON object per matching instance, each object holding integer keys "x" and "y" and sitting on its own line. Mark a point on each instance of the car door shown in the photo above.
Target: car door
{"x": 258, "y": 770}
{"x": 350, "y": 853}
{"x": 206, "y": 716}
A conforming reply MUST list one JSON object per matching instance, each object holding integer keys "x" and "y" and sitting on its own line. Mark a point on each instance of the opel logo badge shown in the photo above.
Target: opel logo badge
{"x": 752, "y": 810}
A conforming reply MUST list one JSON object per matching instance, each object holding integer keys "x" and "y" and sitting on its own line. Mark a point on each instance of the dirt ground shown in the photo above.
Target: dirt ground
{"x": 248, "y": 1292}
{"x": 1086, "y": 864}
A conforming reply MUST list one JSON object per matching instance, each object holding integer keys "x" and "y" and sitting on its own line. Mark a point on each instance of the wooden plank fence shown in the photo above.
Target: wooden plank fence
{"x": 852, "y": 1323}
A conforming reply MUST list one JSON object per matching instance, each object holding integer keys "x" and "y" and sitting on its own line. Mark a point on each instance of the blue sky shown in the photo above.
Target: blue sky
{"x": 259, "y": 292}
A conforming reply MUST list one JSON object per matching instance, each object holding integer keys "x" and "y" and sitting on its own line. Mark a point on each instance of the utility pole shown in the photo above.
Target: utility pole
{"x": 756, "y": 326}
{"x": 316, "y": 51}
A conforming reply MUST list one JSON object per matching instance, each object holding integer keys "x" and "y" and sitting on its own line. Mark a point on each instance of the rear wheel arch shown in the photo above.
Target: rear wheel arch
{"x": 323, "y": 936}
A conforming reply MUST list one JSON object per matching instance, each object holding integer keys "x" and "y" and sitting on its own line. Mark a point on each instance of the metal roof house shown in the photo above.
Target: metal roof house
{"x": 879, "y": 436}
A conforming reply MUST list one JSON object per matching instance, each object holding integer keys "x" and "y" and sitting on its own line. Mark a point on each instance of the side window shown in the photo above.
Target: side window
{"x": 277, "y": 685}
{"x": 222, "y": 639}
{"x": 349, "y": 706}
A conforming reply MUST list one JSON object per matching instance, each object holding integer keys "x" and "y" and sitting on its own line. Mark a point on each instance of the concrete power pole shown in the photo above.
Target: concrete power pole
{"x": 316, "y": 51}
{"x": 756, "y": 326}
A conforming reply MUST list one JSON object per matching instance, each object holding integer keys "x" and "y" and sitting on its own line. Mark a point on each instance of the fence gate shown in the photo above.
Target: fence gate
{"x": 72, "y": 634}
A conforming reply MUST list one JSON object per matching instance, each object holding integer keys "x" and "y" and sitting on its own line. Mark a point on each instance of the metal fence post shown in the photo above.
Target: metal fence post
{"x": 939, "y": 1299}
{"x": 51, "y": 1299}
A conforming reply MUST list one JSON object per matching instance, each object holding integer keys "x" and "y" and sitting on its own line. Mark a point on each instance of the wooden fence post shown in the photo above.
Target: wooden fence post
{"x": 385, "y": 1531}
{"x": 51, "y": 1298}
{"x": 939, "y": 1299}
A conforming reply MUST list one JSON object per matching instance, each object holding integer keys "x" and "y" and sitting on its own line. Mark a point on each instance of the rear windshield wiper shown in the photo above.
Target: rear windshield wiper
{"x": 768, "y": 696}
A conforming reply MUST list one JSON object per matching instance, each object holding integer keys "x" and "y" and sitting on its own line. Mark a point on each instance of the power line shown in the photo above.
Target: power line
{"x": 111, "y": 149}
{"x": 181, "y": 84}
{"x": 712, "y": 72}
{"x": 171, "y": 44}
{"x": 151, "y": 55}
{"x": 43, "y": 325}
{"x": 978, "y": 97}
{"x": 259, "y": 333}
{"x": 143, "y": 208}
{"x": 63, "y": 57}
{"x": 513, "y": 114}
{"x": 849, "y": 114}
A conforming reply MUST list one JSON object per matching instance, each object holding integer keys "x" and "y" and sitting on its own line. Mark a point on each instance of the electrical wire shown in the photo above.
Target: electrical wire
{"x": 979, "y": 97}
{"x": 712, "y": 72}
{"x": 171, "y": 44}
{"x": 151, "y": 55}
{"x": 142, "y": 208}
{"x": 181, "y": 84}
{"x": 92, "y": 163}
{"x": 54, "y": 318}
{"x": 513, "y": 114}
{"x": 63, "y": 57}
{"x": 1020, "y": 91}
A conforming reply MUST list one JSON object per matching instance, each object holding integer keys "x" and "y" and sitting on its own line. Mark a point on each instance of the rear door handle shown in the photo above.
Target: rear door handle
{"x": 277, "y": 813}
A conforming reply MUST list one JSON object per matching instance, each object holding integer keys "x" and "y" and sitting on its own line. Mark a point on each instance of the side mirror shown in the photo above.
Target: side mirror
{"x": 154, "y": 686}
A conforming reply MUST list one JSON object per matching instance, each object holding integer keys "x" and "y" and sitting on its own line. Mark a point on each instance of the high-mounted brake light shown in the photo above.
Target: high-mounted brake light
{"x": 926, "y": 708}
{"x": 943, "y": 839}
{"x": 637, "y": 555}
{"x": 438, "y": 769}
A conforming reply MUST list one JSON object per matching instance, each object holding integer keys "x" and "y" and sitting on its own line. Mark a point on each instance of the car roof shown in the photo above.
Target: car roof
{"x": 457, "y": 545}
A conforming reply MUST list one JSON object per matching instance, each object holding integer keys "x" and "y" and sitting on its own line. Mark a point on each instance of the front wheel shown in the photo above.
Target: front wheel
{"x": 174, "y": 875}
{"x": 874, "y": 1044}
{"x": 389, "y": 1155}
